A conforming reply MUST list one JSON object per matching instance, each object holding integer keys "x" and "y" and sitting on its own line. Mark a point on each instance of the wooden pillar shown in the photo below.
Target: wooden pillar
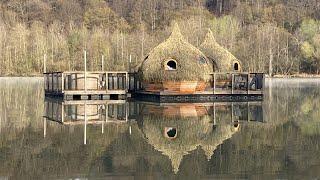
{"x": 248, "y": 85}
{"x": 44, "y": 127}
{"x": 85, "y": 124}
{"x": 62, "y": 82}
{"x": 127, "y": 82}
{"x": 130, "y": 60}
{"x": 107, "y": 81}
{"x": 102, "y": 127}
{"x": 214, "y": 83}
{"x": 232, "y": 112}
{"x": 52, "y": 88}
{"x": 214, "y": 114}
{"x": 85, "y": 71}
{"x": 62, "y": 112}
{"x": 127, "y": 110}
{"x": 232, "y": 82}
{"x": 263, "y": 83}
{"x": 106, "y": 113}
{"x": 248, "y": 108}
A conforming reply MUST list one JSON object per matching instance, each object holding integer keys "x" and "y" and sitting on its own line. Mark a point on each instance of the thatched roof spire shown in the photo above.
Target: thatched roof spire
{"x": 209, "y": 37}
{"x": 218, "y": 54}
{"x": 175, "y": 161}
{"x": 176, "y": 33}
{"x": 208, "y": 150}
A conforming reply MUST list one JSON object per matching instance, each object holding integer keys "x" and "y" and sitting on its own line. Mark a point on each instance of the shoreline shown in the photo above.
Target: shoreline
{"x": 295, "y": 76}
{"x": 277, "y": 76}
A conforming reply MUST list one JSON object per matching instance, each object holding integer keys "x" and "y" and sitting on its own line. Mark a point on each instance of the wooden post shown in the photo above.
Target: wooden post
{"x": 127, "y": 110}
{"x": 62, "y": 112}
{"x": 44, "y": 127}
{"x": 102, "y": 127}
{"x": 107, "y": 82}
{"x": 85, "y": 71}
{"x": 62, "y": 82}
{"x": 127, "y": 82}
{"x": 263, "y": 83}
{"x": 232, "y": 112}
{"x": 44, "y": 63}
{"x": 248, "y": 85}
{"x": 85, "y": 124}
{"x": 214, "y": 113}
{"x": 248, "y": 108}
{"x": 52, "y": 88}
{"x": 214, "y": 83}
{"x": 232, "y": 82}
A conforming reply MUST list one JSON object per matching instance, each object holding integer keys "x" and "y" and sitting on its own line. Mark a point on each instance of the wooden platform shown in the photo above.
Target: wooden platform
{"x": 192, "y": 98}
{"x": 78, "y": 85}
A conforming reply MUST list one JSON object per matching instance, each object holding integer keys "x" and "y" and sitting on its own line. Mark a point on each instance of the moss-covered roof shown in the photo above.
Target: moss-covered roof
{"x": 220, "y": 56}
{"x": 192, "y": 64}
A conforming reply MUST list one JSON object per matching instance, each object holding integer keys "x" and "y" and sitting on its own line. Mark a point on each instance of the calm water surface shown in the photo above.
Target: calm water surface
{"x": 48, "y": 139}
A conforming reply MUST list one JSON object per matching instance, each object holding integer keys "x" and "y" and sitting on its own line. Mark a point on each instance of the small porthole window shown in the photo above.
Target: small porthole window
{"x": 236, "y": 124}
{"x": 170, "y": 132}
{"x": 236, "y": 66}
{"x": 171, "y": 65}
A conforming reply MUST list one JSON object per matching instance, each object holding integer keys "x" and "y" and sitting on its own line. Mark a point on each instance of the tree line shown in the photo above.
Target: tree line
{"x": 271, "y": 36}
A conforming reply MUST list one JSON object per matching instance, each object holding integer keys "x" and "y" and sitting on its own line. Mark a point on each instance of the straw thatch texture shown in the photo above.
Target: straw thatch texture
{"x": 192, "y": 64}
{"x": 220, "y": 56}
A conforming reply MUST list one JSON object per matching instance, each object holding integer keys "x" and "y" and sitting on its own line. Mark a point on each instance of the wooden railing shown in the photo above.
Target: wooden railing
{"x": 238, "y": 83}
{"x": 79, "y": 81}
{"x": 122, "y": 82}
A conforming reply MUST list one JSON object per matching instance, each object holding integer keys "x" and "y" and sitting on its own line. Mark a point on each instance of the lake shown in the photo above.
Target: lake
{"x": 278, "y": 138}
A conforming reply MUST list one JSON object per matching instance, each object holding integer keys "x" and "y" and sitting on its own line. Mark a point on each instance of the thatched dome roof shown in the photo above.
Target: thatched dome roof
{"x": 191, "y": 64}
{"x": 220, "y": 56}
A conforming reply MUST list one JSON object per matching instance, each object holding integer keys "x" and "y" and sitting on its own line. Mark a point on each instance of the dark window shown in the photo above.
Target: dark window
{"x": 236, "y": 66}
{"x": 236, "y": 124}
{"x": 171, "y": 65}
{"x": 171, "y": 132}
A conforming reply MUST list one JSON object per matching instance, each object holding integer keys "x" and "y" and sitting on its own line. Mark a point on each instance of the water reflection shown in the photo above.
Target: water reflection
{"x": 85, "y": 113}
{"x": 274, "y": 139}
{"x": 174, "y": 130}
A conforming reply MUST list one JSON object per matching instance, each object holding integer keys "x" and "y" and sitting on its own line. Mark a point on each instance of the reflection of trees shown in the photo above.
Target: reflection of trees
{"x": 17, "y": 111}
{"x": 61, "y": 153}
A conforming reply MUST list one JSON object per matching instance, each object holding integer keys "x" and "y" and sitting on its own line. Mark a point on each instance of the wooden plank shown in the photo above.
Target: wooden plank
{"x": 62, "y": 82}
{"x": 116, "y": 92}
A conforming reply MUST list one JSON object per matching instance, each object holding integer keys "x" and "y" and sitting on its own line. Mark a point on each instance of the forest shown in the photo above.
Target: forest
{"x": 278, "y": 37}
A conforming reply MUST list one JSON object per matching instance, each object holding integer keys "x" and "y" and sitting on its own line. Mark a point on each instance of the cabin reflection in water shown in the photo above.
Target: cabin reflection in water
{"x": 174, "y": 129}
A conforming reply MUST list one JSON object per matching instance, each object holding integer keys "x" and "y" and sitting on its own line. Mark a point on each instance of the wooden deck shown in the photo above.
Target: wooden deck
{"x": 75, "y": 85}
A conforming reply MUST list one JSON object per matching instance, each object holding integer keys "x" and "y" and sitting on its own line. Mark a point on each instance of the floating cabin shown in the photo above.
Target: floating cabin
{"x": 174, "y": 71}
